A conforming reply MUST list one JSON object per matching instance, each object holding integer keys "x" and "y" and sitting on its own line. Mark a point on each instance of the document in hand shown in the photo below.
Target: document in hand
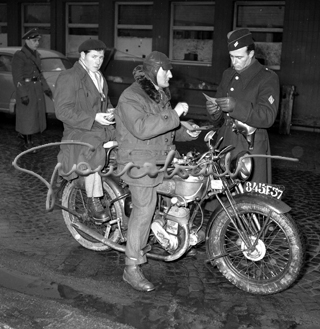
{"x": 210, "y": 99}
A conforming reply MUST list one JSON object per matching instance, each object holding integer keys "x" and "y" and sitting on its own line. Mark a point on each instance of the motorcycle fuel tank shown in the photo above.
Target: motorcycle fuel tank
{"x": 189, "y": 188}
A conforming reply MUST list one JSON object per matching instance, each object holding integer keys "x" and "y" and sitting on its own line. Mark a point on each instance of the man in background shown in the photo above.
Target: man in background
{"x": 30, "y": 86}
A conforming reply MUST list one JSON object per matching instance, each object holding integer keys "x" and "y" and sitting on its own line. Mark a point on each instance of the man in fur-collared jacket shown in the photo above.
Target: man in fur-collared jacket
{"x": 146, "y": 127}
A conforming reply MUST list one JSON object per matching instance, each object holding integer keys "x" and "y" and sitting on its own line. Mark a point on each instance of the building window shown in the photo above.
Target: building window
{"x": 133, "y": 30}
{"x": 37, "y": 15}
{"x": 265, "y": 21}
{"x": 3, "y": 25}
{"x": 191, "y": 32}
{"x": 82, "y": 24}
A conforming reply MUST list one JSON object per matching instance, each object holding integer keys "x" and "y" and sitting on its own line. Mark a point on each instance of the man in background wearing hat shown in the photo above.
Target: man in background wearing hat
{"x": 146, "y": 127}
{"x": 83, "y": 105}
{"x": 248, "y": 92}
{"x": 30, "y": 85}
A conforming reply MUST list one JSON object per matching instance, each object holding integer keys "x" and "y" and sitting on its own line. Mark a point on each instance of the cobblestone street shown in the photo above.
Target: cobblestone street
{"x": 189, "y": 293}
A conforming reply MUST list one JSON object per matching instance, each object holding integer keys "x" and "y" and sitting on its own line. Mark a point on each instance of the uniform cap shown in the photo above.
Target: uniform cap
{"x": 92, "y": 44}
{"x": 239, "y": 38}
{"x": 31, "y": 34}
{"x": 152, "y": 64}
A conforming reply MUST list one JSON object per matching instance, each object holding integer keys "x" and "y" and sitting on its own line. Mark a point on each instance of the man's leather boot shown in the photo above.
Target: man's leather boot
{"x": 133, "y": 275}
{"x": 96, "y": 209}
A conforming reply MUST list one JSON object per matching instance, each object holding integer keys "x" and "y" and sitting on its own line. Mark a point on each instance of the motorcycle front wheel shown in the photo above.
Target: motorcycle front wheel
{"x": 74, "y": 198}
{"x": 275, "y": 258}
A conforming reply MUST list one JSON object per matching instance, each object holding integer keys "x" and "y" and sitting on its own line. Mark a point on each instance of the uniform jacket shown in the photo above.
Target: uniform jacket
{"x": 256, "y": 91}
{"x": 31, "y": 118}
{"x": 146, "y": 126}
{"x": 77, "y": 101}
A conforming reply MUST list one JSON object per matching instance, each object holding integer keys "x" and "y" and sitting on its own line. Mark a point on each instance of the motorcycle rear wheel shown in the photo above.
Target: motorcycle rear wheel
{"x": 277, "y": 258}
{"x": 74, "y": 198}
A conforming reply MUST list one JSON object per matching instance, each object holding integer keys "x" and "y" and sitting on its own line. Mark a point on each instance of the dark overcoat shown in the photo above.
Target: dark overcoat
{"x": 77, "y": 101}
{"x": 256, "y": 91}
{"x": 31, "y": 118}
{"x": 146, "y": 128}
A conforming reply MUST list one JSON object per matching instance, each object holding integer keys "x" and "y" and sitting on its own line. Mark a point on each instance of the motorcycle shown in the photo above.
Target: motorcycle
{"x": 250, "y": 236}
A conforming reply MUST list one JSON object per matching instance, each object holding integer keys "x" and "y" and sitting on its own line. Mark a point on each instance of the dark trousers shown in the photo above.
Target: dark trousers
{"x": 144, "y": 201}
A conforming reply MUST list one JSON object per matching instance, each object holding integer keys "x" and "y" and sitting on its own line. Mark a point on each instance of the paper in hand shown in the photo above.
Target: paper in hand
{"x": 196, "y": 127}
{"x": 210, "y": 99}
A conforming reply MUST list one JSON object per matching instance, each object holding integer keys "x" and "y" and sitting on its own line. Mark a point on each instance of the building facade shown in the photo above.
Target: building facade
{"x": 191, "y": 33}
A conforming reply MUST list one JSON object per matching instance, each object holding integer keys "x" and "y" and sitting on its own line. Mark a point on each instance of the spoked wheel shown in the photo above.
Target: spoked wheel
{"x": 272, "y": 256}
{"x": 75, "y": 199}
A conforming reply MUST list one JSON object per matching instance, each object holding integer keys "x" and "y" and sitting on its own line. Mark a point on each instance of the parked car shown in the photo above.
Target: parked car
{"x": 52, "y": 63}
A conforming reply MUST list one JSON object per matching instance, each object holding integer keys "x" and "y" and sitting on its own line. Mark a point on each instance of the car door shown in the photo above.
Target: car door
{"x": 7, "y": 90}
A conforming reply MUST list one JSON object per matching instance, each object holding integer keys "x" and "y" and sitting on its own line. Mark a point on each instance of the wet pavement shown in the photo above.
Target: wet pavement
{"x": 42, "y": 260}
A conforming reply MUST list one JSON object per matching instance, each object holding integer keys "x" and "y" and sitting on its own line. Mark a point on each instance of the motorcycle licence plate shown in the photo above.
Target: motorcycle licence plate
{"x": 274, "y": 191}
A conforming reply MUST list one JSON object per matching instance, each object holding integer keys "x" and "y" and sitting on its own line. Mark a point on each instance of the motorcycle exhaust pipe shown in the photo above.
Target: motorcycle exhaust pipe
{"x": 79, "y": 226}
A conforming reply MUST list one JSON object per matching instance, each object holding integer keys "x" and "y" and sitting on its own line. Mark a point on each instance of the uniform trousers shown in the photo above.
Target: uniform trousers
{"x": 144, "y": 201}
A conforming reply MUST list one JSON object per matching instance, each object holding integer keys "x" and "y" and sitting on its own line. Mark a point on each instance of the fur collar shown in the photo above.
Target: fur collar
{"x": 146, "y": 84}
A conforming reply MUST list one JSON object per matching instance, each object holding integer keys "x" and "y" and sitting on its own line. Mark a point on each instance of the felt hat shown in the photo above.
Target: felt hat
{"x": 31, "y": 34}
{"x": 92, "y": 44}
{"x": 239, "y": 38}
{"x": 152, "y": 64}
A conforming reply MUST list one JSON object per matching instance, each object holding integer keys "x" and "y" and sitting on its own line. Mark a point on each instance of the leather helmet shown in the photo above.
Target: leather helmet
{"x": 152, "y": 64}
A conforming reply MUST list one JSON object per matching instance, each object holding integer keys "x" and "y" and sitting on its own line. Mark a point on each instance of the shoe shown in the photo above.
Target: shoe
{"x": 133, "y": 275}
{"x": 28, "y": 144}
{"x": 96, "y": 209}
{"x": 20, "y": 136}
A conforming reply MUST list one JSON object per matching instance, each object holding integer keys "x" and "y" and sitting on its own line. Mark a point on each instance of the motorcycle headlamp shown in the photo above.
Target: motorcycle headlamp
{"x": 243, "y": 165}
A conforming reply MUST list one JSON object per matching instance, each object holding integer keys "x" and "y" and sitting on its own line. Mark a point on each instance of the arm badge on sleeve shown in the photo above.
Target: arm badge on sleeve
{"x": 271, "y": 99}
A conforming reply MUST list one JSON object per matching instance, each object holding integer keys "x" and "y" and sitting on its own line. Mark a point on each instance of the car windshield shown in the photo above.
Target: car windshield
{"x": 55, "y": 64}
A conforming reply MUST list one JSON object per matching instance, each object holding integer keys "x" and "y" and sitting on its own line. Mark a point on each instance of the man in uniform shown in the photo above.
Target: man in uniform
{"x": 248, "y": 92}
{"x": 30, "y": 86}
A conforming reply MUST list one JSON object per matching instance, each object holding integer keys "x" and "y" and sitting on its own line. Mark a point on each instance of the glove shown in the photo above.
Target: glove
{"x": 25, "y": 100}
{"x": 212, "y": 107}
{"x": 181, "y": 108}
{"x": 226, "y": 104}
{"x": 48, "y": 92}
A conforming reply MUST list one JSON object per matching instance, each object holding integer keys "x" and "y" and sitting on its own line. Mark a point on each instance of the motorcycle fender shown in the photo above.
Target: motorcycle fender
{"x": 275, "y": 205}
{"x": 113, "y": 182}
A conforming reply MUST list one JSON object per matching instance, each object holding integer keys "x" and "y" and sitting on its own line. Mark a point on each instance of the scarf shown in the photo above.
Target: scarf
{"x": 97, "y": 79}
